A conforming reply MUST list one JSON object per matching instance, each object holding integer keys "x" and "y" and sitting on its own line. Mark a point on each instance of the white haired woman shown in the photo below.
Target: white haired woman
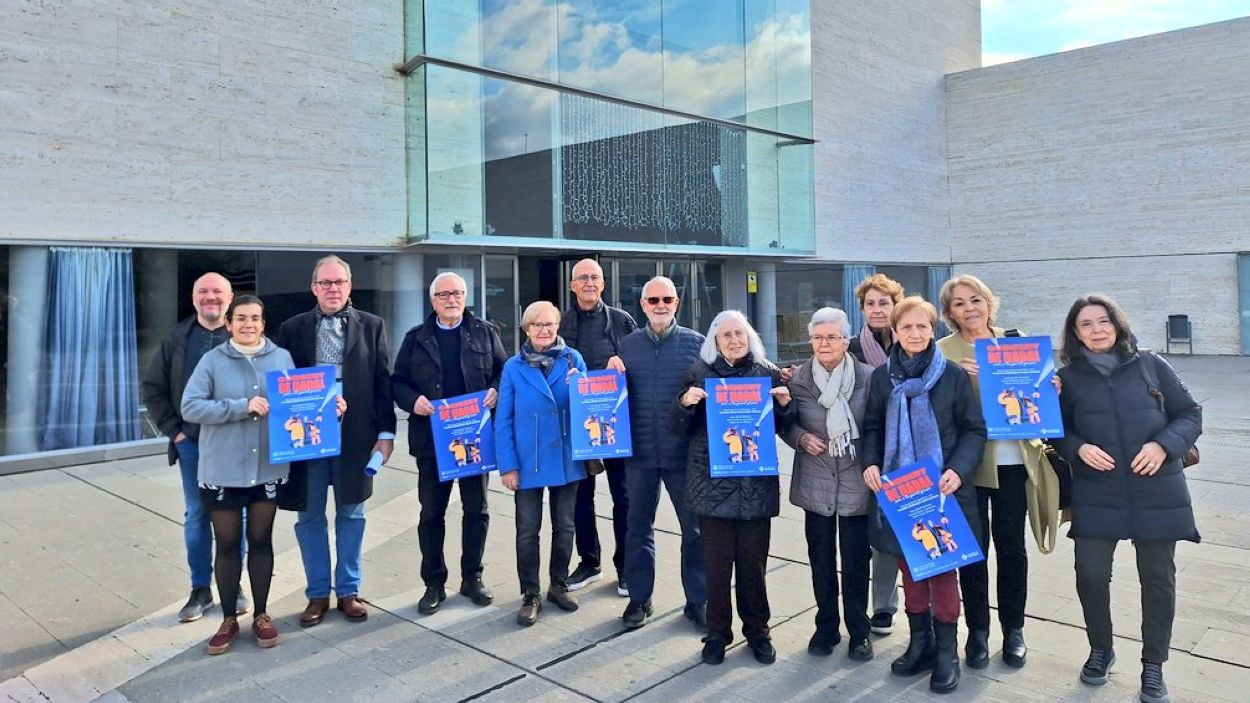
{"x": 830, "y": 393}
{"x": 734, "y": 513}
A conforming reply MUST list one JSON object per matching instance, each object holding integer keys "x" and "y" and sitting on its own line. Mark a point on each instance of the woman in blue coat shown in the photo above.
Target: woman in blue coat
{"x": 534, "y": 452}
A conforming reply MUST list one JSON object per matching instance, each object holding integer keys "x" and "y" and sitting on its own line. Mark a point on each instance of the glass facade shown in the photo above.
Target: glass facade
{"x": 684, "y": 126}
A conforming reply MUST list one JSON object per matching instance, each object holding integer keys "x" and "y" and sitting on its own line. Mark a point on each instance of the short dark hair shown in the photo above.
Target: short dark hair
{"x": 1123, "y": 333}
{"x": 244, "y": 300}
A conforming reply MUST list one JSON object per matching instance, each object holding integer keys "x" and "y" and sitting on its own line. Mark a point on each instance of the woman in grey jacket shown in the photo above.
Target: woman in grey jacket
{"x": 829, "y": 393}
{"x": 226, "y": 397}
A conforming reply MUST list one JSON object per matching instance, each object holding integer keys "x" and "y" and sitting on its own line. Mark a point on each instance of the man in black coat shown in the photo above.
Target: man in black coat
{"x": 451, "y": 354}
{"x": 595, "y": 330}
{"x": 162, "y": 388}
{"x": 656, "y": 358}
{"x": 334, "y": 333}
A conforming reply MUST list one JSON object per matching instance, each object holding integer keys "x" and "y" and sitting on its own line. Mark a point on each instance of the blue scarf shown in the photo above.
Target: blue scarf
{"x": 911, "y": 429}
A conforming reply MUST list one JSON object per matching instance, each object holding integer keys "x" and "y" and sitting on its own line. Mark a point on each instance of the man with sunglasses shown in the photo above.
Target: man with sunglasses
{"x": 657, "y": 357}
{"x": 595, "y": 330}
{"x": 450, "y": 354}
{"x": 335, "y": 333}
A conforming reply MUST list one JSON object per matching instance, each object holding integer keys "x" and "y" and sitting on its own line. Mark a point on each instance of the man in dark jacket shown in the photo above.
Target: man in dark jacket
{"x": 656, "y": 358}
{"x": 334, "y": 333}
{"x": 162, "y": 394}
{"x": 451, "y": 354}
{"x": 595, "y": 330}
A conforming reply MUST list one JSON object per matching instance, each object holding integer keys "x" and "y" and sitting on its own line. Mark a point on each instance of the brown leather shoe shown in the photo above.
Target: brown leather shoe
{"x": 315, "y": 611}
{"x": 352, "y": 608}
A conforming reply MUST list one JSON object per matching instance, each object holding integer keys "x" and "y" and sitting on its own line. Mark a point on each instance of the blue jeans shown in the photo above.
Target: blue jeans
{"x": 312, "y": 533}
{"x": 643, "y": 487}
{"x": 196, "y": 531}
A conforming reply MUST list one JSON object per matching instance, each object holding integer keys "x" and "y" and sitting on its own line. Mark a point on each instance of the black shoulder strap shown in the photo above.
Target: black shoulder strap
{"x": 1147, "y": 362}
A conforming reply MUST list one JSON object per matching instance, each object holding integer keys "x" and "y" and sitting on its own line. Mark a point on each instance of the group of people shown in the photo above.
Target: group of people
{"x": 862, "y": 406}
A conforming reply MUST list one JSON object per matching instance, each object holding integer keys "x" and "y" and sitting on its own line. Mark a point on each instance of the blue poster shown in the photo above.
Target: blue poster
{"x": 464, "y": 436}
{"x": 741, "y": 440}
{"x": 599, "y": 412}
{"x": 303, "y": 419}
{"x": 1018, "y": 398}
{"x": 930, "y": 527}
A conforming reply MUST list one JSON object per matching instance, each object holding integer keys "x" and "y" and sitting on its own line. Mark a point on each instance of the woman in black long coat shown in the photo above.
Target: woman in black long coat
{"x": 1128, "y": 420}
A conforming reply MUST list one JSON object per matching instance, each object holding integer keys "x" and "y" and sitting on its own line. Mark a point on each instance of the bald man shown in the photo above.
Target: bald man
{"x": 162, "y": 394}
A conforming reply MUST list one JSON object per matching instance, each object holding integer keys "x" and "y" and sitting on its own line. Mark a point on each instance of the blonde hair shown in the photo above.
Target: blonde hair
{"x": 978, "y": 287}
{"x": 913, "y": 302}
{"x": 882, "y": 283}
{"x": 536, "y": 308}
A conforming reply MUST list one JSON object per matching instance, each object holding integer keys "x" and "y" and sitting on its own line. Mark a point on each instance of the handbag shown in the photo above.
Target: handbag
{"x": 594, "y": 467}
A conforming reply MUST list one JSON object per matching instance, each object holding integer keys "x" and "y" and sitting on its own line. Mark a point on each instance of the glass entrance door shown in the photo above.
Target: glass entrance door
{"x": 499, "y": 281}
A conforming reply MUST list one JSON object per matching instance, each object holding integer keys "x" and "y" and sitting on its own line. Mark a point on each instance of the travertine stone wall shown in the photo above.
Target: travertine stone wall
{"x": 196, "y": 122}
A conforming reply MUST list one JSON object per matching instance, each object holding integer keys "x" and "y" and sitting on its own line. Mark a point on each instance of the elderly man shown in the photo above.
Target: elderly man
{"x": 162, "y": 394}
{"x": 450, "y": 354}
{"x": 596, "y": 330}
{"x": 335, "y": 333}
{"x": 657, "y": 357}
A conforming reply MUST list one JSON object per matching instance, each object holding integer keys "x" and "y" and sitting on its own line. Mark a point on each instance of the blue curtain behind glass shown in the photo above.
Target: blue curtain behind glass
{"x": 852, "y": 276}
{"x": 91, "y": 390}
{"x": 937, "y": 276}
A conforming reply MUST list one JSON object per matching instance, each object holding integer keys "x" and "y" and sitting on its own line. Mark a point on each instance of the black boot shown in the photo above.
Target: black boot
{"x": 1014, "y": 650}
{"x": 946, "y": 665}
{"x": 977, "y": 650}
{"x": 920, "y": 650}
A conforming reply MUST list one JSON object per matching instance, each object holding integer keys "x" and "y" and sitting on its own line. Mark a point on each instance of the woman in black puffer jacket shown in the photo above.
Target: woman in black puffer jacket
{"x": 734, "y": 513}
{"x": 1127, "y": 421}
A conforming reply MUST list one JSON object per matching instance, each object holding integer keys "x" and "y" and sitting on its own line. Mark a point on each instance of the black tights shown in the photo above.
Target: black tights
{"x": 228, "y": 531}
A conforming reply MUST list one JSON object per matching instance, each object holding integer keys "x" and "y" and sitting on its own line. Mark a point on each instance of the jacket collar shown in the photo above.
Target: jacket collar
{"x": 538, "y": 380}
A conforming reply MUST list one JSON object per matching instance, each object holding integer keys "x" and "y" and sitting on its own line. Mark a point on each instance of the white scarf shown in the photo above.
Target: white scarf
{"x": 836, "y": 387}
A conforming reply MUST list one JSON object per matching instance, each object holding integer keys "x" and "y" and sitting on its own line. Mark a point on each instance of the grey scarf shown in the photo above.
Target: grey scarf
{"x": 836, "y": 387}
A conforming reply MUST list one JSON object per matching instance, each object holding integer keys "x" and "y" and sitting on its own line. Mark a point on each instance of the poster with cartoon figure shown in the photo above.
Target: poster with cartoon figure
{"x": 741, "y": 440}
{"x": 302, "y": 420}
{"x": 464, "y": 436}
{"x": 1018, "y": 397}
{"x": 930, "y": 527}
{"x": 599, "y": 410}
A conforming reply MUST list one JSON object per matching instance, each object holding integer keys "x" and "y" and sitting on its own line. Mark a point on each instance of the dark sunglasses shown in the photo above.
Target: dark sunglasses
{"x": 655, "y": 299}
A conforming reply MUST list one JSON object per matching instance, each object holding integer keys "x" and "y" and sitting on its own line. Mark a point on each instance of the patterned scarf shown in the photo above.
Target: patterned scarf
{"x": 332, "y": 335}
{"x": 874, "y": 355}
{"x": 911, "y": 429}
{"x": 546, "y": 358}
{"x": 836, "y": 387}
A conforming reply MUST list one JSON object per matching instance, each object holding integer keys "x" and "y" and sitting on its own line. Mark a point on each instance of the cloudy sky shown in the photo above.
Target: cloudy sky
{"x": 1017, "y": 29}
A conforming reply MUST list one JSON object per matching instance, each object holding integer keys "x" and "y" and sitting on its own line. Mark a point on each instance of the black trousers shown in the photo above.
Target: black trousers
{"x": 432, "y": 524}
{"x": 529, "y": 522}
{"x": 1003, "y": 512}
{"x": 736, "y": 551}
{"x": 584, "y": 524}
{"x": 824, "y": 541}
{"x": 1156, "y": 570}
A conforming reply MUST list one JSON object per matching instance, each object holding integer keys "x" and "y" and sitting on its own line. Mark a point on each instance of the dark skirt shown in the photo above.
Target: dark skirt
{"x": 232, "y": 498}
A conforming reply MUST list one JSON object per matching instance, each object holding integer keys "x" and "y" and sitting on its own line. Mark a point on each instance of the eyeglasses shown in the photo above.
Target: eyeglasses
{"x": 655, "y": 299}
{"x": 446, "y": 294}
{"x": 588, "y": 277}
{"x": 336, "y": 283}
{"x": 831, "y": 339}
{"x": 542, "y": 325}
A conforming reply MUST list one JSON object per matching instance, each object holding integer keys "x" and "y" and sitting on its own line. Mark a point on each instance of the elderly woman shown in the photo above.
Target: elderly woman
{"x": 877, "y": 296}
{"x": 226, "y": 397}
{"x": 920, "y": 406}
{"x": 734, "y": 513}
{"x": 1128, "y": 421}
{"x": 829, "y": 394}
{"x": 534, "y": 452}
{"x": 1014, "y": 480}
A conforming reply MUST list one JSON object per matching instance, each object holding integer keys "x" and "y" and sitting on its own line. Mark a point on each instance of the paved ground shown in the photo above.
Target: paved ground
{"x": 92, "y": 574}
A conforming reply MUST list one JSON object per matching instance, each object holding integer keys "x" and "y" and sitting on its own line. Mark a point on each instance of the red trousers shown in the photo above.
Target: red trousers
{"x": 939, "y": 593}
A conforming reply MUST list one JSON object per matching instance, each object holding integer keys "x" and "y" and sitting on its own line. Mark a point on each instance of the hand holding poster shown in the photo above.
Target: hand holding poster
{"x": 741, "y": 439}
{"x": 464, "y": 438}
{"x": 600, "y": 416}
{"x": 303, "y": 419}
{"x": 930, "y": 527}
{"x": 1018, "y": 398}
